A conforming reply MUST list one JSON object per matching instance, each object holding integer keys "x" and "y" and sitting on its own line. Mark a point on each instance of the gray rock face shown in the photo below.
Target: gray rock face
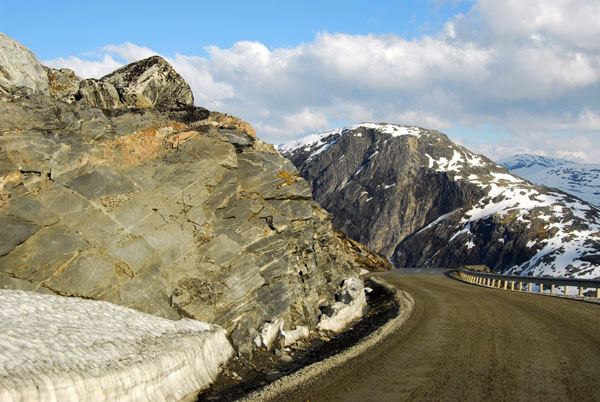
{"x": 148, "y": 83}
{"x": 159, "y": 210}
{"x": 63, "y": 83}
{"x": 423, "y": 201}
{"x": 20, "y": 70}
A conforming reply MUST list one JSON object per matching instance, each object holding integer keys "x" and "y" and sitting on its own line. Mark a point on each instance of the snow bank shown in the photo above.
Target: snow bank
{"x": 351, "y": 305}
{"x": 61, "y": 348}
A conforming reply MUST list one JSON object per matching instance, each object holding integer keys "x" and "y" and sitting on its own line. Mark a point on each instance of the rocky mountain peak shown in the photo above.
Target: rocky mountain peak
{"x": 421, "y": 200}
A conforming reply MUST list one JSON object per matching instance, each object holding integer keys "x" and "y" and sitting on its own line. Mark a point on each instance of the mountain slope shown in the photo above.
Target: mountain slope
{"x": 579, "y": 179}
{"x": 422, "y": 200}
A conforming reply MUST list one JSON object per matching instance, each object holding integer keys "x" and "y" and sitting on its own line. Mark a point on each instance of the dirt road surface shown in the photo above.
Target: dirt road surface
{"x": 468, "y": 343}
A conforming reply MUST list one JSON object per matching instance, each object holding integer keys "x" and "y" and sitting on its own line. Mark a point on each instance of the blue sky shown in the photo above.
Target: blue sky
{"x": 64, "y": 28}
{"x": 498, "y": 76}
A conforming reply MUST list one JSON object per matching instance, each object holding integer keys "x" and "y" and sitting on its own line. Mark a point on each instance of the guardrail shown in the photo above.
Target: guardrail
{"x": 517, "y": 283}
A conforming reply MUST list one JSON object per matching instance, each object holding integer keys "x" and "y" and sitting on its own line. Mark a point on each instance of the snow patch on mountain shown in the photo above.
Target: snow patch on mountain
{"x": 581, "y": 180}
{"x": 67, "y": 348}
{"x": 321, "y": 141}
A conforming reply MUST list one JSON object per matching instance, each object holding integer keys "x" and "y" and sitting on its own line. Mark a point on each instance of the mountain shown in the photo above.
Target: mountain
{"x": 579, "y": 179}
{"x": 121, "y": 190}
{"x": 423, "y": 201}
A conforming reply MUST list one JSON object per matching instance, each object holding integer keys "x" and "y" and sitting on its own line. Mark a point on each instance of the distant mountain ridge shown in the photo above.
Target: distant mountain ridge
{"x": 579, "y": 179}
{"x": 423, "y": 201}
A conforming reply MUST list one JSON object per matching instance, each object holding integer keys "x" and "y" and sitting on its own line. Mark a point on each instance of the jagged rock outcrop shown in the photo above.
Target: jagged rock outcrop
{"x": 160, "y": 208}
{"x": 148, "y": 83}
{"x": 20, "y": 70}
{"x": 423, "y": 201}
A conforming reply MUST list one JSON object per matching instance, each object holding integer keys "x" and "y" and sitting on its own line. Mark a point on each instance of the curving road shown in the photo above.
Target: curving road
{"x": 467, "y": 343}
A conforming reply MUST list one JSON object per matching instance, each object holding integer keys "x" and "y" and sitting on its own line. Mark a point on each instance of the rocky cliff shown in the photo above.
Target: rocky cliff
{"x": 423, "y": 201}
{"x": 120, "y": 190}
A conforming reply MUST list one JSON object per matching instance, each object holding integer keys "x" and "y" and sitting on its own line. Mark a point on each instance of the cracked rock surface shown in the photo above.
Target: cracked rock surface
{"x": 161, "y": 208}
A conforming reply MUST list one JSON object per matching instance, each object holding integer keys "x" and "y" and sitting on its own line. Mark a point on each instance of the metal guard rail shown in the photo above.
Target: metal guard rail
{"x": 507, "y": 282}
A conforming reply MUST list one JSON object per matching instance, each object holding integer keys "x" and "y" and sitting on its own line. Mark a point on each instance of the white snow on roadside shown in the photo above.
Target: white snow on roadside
{"x": 293, "y": 336}
{"x": 351, "y": 306}
{"x": 268, "y": 334}
{"x": 67, "y": 348}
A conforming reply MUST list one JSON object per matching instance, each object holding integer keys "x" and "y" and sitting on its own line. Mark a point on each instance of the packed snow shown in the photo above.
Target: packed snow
{"x": 65, "y": 348}
{"x": 351, "y": 306}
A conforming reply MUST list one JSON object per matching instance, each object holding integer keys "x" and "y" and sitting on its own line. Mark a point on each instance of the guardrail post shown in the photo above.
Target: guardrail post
{"x": 566, "y": 289}
{"x": 529, "y": 286}
{"x": 581, "y": 291}
{"x": 512, "y": 285}
{"x": 520, "y": 286}
{"x": 541, "y": 288}
{"x": 598, "y": 292}
{"x": 552, "y": 289}
{"x": 505, "y": 285}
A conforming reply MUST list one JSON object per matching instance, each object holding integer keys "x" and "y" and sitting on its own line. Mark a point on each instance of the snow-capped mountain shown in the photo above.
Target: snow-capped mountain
{"x": 422, "y": 200}
{"x": 579, "y": 179}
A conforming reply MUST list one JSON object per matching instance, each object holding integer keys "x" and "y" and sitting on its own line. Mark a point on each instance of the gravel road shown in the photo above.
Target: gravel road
{"x": 468, "y": 343}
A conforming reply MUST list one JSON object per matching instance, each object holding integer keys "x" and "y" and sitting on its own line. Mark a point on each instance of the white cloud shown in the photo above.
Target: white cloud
{"x": 86, "y": 68}
{"x": 531, "y": 68}
{"x": 129, "y": 51}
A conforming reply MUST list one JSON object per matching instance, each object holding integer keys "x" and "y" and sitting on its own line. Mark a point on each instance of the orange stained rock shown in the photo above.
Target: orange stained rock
{"x": 136, "y": 148}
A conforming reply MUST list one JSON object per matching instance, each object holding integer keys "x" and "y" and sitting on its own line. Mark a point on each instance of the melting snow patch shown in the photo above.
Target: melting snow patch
{"x": 466, "y": 229}
{"x": 66, "y": 348}
{"x": 431, "y": 160}
{"x": 452, "y": 165}
{"x": 291, "y": 337}
{"x": 474, "y": 160}
{"x": 506, "y": 177}
{"x": 439, "y": 219}
{"x": 351, "y": 306}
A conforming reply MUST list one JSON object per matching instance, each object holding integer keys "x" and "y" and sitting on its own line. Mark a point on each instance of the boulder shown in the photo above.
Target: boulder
{"x": 20, "y": 70}
{"x": 148, "y": 83}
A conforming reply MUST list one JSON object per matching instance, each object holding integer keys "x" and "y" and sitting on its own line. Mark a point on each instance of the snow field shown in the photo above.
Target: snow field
{"x": 56, "y": 348}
